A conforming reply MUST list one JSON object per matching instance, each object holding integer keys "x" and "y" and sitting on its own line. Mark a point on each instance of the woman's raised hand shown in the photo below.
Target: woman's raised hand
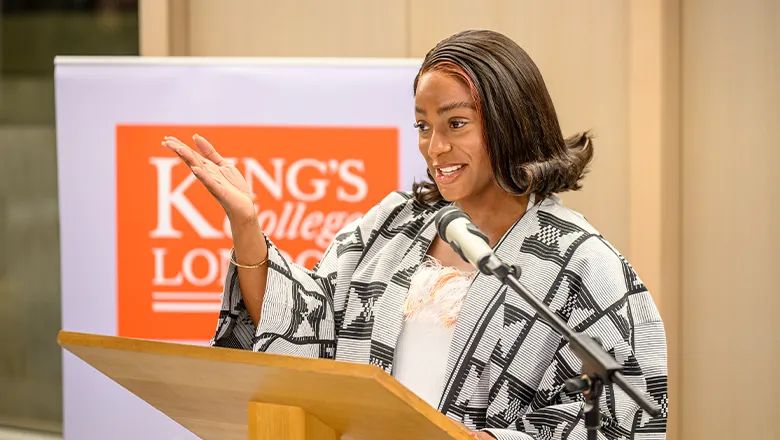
{"x": 218, "y": 175}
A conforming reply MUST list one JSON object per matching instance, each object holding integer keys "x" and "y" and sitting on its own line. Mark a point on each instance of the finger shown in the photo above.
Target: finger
{"x": 198, "y": 157}
{"x": 174, "y": 143}
{"x": 191, "y": 156}
{"x": 187, "y": 154}
{"x": 207, "y": 150}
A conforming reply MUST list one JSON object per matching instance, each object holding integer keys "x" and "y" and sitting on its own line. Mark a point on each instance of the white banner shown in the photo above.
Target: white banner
{"x": 144, "y": 247}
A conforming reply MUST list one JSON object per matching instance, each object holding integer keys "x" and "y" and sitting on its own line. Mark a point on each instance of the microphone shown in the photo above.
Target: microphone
{"x": 455, "y": 228}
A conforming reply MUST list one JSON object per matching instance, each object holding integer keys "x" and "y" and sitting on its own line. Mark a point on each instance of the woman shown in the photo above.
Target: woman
{"x": 390, "y": 292}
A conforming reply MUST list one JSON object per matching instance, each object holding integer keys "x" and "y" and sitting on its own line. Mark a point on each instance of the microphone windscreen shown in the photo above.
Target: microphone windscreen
{"x": 445, "y": 216}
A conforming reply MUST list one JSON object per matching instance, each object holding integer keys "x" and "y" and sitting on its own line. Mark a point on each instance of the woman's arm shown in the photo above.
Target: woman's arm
{"x": 230, "y": 189}
{"x": 250, "y": 249}
{"x": 609, "y": 301}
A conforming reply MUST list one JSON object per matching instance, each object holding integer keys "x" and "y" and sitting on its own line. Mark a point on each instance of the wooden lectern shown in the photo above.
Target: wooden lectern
{"x": 220, "y": 393}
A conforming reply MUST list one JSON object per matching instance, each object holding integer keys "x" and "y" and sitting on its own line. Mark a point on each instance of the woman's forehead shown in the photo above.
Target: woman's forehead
{"x": 437, "y": 87}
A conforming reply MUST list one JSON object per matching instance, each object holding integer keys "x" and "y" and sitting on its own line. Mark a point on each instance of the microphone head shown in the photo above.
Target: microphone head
{"x": 445, "y": 216}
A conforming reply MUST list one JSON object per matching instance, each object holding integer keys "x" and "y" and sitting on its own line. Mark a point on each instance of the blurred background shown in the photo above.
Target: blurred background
{"x": 683, "y": 95}
{"x": 32, "y": 33}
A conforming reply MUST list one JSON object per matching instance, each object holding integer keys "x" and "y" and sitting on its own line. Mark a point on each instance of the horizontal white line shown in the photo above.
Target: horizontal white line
{"x": 185, "y": 307}
{"x": 183, "y": 296}
{"x": 234, "y": 61}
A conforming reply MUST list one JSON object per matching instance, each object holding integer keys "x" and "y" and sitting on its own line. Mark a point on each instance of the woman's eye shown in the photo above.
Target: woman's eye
{"x": 421, "y": 126}
{"x": 457, "y": 124}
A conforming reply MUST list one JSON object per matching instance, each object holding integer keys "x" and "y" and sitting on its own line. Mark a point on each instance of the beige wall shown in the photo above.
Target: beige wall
{"x": 731, "y": 219}
{"x": 672, "y": 88}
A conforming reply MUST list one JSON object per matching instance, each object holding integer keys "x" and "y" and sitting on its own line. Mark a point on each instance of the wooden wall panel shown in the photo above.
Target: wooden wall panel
{"x": 293, "y": 28}
{"x": 731, "y": 212}
{"x": 154, "y": 35}
{"x": 654, "y": 169}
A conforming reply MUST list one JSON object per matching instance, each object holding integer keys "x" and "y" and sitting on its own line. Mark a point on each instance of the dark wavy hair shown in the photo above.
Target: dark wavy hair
{"x": 526, "y": 148}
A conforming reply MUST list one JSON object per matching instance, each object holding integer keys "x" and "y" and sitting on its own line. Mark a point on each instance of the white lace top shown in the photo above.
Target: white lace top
{"x": 431, "y": 311}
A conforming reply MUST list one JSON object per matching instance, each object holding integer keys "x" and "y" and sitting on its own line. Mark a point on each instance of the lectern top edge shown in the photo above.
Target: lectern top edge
{"x": 219, "y": 354}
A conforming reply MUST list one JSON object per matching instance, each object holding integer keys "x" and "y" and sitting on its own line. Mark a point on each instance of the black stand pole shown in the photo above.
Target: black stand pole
{"x": 590, "y": 388}
{"x": 598, "y": 367}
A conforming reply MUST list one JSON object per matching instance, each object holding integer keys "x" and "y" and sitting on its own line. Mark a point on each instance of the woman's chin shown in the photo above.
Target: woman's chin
{"x": 451, "y": 194}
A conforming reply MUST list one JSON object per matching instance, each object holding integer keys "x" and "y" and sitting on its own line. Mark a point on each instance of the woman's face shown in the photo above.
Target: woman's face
{"x": 450, "y": 137}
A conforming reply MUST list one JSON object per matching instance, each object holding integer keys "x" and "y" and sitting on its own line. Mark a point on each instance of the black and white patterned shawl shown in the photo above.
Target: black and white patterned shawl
{"x": 507, "y": 367}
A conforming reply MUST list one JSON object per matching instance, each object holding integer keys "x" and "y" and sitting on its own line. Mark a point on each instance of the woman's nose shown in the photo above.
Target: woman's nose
{"x": 438, "y": 145}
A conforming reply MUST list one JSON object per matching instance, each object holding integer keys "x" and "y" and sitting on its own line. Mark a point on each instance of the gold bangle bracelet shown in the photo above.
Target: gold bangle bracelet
{"x": 254, "y": 266}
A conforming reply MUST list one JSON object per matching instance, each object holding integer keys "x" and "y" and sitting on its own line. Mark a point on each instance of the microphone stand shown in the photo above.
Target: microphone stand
{"x": 598, "y": 367}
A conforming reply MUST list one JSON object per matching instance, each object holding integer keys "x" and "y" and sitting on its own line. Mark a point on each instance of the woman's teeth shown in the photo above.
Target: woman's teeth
{"x": 449, "y": 170}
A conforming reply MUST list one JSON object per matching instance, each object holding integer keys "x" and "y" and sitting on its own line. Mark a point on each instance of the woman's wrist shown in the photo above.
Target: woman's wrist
{"x": 244, "y": 226}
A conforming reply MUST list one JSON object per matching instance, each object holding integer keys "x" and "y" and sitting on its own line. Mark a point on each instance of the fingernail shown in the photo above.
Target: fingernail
{"x": 195, "y": 136}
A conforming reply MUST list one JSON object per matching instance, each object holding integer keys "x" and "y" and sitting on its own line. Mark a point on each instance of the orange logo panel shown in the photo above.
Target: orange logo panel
{"x": 173, "y": 239}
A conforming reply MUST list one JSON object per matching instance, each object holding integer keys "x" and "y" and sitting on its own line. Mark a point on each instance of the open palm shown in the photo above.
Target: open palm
{"x": 218, "y": 175}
